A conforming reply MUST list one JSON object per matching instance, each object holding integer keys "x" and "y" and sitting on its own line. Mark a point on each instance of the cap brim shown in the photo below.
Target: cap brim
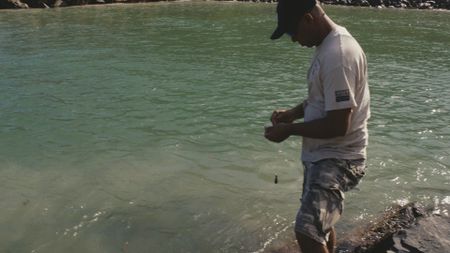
{"x": 277, "y": 33}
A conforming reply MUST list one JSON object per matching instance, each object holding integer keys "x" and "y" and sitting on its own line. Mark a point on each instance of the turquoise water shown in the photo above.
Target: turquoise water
{"x": 138, "y": 128}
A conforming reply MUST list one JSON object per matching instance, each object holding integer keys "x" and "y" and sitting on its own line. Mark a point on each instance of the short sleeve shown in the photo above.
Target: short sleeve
{"x": 339, "y": 89}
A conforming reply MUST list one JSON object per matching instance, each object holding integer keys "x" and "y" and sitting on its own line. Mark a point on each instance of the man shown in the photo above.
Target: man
{"x": 335, "y": 115}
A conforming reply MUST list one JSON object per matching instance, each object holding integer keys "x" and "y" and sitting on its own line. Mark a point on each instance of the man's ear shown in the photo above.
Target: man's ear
{"x": 309, "y": 18}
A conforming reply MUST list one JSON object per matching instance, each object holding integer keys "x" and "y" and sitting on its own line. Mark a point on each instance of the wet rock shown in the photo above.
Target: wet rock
{"x": 12, "y": 4}
{"x": 427, "y": 5}
{"x": 430, "y": 235}
{"x": 59, "y": 3}
{"x": 38, "y": 3}
{"x": 407, "y": 229}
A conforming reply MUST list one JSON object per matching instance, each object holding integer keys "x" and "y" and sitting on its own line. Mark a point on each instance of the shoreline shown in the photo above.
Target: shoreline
{"x": 436, "y": 5}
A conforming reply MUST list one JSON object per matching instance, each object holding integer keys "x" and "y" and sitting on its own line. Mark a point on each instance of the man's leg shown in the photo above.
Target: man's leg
{"x": 308, "y": 245}
{"x": 331, "y": 244}
{"x": 321, "y": 207}
{"x": 322, "y": 201}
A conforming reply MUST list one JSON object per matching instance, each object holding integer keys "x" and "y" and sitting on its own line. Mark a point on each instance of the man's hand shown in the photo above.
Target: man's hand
{"x": 278, "y": 132}
{"x": 282, "y": 116}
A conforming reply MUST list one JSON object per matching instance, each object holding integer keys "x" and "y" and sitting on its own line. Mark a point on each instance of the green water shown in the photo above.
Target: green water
{"x": 138, "y": 128}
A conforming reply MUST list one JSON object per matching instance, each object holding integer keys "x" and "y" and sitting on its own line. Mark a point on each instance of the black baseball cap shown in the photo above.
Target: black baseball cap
{"x": 289, "y": 13}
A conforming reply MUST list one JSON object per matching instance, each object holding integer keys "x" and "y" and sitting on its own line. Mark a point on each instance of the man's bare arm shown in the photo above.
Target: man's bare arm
{"x": 335, "y": 124}
{"x": 288, "y": 116}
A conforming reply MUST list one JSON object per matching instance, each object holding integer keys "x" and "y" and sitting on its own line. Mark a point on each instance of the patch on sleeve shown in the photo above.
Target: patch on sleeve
{"x": 342, "y": 95}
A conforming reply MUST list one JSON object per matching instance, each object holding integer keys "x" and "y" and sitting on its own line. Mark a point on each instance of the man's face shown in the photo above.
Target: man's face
{"x": 303, "y": 34}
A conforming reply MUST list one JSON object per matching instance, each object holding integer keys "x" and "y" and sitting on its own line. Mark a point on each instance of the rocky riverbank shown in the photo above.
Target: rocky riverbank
{"x": 407, "y": 229}
{"x": 403, "y": 229}
{"x": 417, "y": 4}
{"x": 25, "y": 4}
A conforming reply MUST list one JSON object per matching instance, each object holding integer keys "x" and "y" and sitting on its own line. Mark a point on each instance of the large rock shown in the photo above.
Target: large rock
{"x": 38, "y": 3}
{"x": 407, "y": 229}
{"x": 430, "y": 235}
{"x": 12, "y": 4}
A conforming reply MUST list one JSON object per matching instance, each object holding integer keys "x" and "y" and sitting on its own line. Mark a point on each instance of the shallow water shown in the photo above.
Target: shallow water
{"x": 138, "y": 128}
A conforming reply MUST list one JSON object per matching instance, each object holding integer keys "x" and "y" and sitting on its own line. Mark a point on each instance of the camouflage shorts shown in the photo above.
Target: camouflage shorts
{"x": 322, "y": 201}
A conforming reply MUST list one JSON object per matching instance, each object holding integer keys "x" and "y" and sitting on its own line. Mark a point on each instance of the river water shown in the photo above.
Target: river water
{"x": 139, "y": 128}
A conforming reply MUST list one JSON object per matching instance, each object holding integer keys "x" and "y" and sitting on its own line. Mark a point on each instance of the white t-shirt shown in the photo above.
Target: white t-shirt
{"x": 337, "y": 79}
